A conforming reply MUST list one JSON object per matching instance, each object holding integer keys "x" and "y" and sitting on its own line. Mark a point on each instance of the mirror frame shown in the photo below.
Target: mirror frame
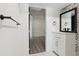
{"x": 75, "y": 9}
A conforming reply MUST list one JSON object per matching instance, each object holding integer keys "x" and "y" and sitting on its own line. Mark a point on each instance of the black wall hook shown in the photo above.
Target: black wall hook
{"x": 8, "y": 17}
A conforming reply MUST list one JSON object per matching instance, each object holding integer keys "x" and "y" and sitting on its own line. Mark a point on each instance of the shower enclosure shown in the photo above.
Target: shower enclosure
{"x": 36, "y": 30}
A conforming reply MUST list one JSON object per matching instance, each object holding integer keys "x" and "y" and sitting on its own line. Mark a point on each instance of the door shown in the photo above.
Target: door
{"x": 36, "y": 30}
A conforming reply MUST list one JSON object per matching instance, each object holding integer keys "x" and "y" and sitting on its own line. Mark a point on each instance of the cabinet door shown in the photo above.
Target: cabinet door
{"x": 70, "y": 45}
{"x": 56, "y": 45}
{"x": 61, "y": 45}
{"x": 57, "y": 42}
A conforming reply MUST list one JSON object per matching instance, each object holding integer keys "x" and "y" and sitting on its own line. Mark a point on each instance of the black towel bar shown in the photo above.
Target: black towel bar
{"x": 8, "y": 17}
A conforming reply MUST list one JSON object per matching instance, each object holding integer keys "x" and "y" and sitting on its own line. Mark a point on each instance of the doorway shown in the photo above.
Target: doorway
{"x": 36, "y": 30}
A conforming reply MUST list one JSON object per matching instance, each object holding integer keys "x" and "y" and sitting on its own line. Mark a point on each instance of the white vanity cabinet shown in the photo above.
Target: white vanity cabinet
{"x": 64, "y": 44}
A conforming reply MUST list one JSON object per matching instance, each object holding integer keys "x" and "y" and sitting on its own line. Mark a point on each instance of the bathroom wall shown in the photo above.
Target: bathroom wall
{"x": 13, "y": 38}
{"x": 51, "y": 15}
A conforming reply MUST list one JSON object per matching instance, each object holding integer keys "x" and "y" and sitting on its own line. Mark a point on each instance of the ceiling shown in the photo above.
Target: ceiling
{"x": 53, "y": 5}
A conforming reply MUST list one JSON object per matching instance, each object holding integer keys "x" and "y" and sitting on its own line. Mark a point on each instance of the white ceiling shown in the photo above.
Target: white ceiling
{"x": 53, "y": 5}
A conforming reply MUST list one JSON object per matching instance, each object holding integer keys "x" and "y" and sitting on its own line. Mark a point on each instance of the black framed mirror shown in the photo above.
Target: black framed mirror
{"x": 68, "y": 21}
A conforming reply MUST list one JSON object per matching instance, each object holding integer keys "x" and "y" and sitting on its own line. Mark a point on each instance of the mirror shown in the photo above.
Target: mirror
{"x": 68, "y": 21}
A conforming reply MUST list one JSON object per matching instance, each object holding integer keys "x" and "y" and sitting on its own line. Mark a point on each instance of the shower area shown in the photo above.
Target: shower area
{"x": 36, "y": 30}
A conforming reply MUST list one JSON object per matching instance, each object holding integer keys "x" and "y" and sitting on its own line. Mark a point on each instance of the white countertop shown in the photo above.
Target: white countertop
{"x": 64, "y": 32}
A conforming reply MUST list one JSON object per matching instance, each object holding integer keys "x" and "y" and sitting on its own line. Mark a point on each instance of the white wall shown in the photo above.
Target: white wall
{"x": 51, "y": 15}
{"x": 13, "y": 39}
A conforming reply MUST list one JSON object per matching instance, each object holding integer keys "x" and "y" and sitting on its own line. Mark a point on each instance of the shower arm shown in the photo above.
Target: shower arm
{"x": 8, "y": 17}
